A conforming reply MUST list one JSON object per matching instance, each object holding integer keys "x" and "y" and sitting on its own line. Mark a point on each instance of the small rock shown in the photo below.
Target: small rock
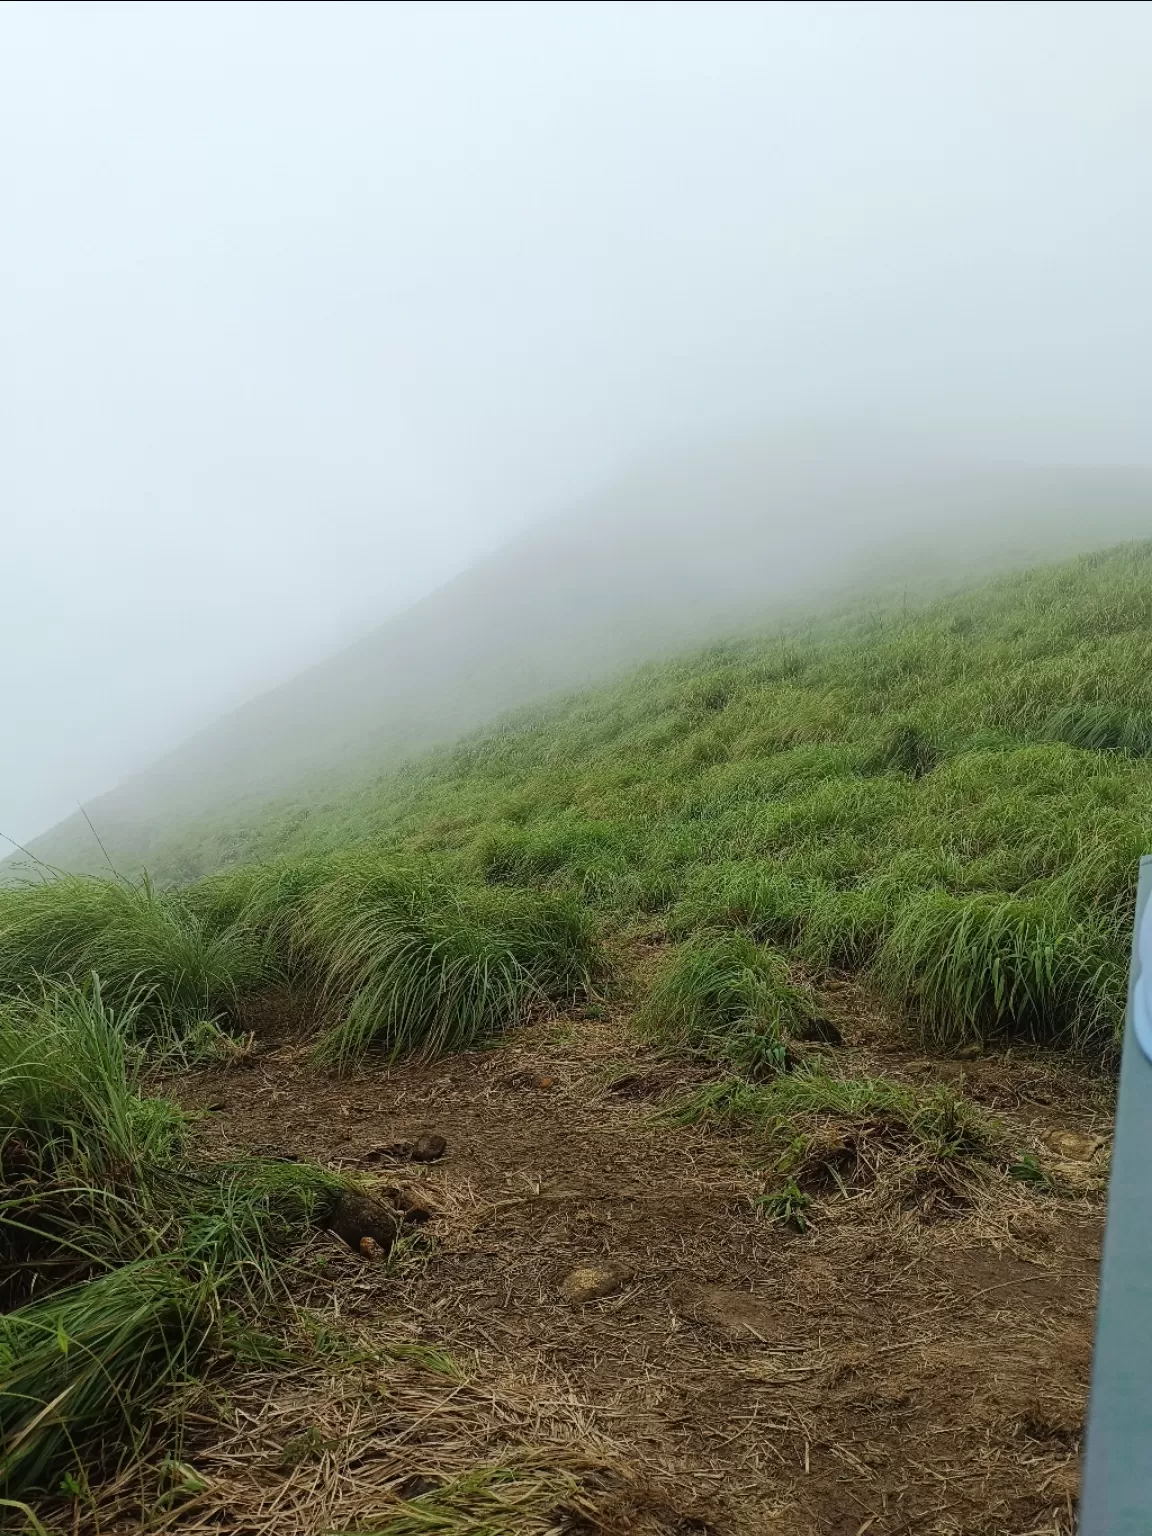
{"x": 356, "y": 1216}
{"x": 819, "y": 1031}
{"x": 1074, "y": 1146}
{"x": 428, "y": 1148}
{"x": 527, "y": 1079}
{"x": 587, "y": 1284}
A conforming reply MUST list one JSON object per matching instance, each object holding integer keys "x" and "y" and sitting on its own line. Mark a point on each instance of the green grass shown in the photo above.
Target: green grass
{"x": 150, "y": 949}
{"x": 413, "y": 963}
{"x": 950, "y": 800}
{"x": 399, "y": 954}
{"x": 122, "y": 1255}
{"x": 81, "y": 1369}
{"x": 1102, "y": 728}
{"x": 727, "y": 996}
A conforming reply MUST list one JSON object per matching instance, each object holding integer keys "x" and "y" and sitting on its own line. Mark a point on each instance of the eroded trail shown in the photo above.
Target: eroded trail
{"x": 889, "y": 1370}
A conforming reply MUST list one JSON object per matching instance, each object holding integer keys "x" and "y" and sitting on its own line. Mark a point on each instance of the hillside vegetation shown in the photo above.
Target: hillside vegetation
{"x": 953, "y": 800}
{"x": 717, "y": 542}
{"x": 949, "y": 802}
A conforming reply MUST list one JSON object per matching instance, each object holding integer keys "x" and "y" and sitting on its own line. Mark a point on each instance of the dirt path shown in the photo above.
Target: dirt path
{"x": 881, "y": 1373}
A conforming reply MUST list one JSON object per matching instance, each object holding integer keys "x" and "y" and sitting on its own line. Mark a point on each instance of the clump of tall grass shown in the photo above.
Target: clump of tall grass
{"x": 82, "y": 1369}
{"x": 724, "y": 995}
{"x": 148, "y": 947}
{"x": 978, "y": 965}
{"x": 1102, "y": 728}
{"x": 399, "y": 954}
{"x": 79, "y": 1145}
{"x": 120, "y": 1255}
{"x": 68, "y": 1089}
{"x": 410, "y": 962}
{"x": 904, "y": 748}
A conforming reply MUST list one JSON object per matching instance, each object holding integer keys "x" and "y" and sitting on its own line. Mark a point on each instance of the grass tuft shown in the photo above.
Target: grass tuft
{"x": 728, "y": 997}
{"x": 150, "y": 949}
{"x": 822, "y": 1135}
{"x": 408, "y": 961}
{"x": 905, "y": 748}
{"x": 972, "y": 966}
{"x": 121, "y": 1257}
{"x": 1102, "y": 728}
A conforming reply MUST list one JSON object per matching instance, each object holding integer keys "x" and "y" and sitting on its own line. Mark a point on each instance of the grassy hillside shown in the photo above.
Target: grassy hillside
{"x": 953, "y": 798}
{"x": 949, "y": 801}
{"x": 670, "y": 557}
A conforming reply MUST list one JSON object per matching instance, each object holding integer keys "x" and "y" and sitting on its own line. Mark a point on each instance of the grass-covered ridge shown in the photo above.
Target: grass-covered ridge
{"x": 950, "y": 802}
{"x": 953, "y": 798}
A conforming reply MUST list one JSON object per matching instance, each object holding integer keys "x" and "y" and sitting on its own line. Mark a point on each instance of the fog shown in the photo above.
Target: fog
{"x": 306, "y": 309}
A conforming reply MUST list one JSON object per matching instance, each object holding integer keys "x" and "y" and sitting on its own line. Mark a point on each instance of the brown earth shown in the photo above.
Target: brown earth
{"x": 888, "y": 1371}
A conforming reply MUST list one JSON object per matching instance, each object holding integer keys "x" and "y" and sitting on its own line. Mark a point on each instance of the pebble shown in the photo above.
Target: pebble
{"x": 587, "y": 1284}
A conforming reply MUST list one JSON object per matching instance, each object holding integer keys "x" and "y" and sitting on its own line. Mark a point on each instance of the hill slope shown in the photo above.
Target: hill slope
{"x": 667, "y": 558}
{"x": 956, "y": 797}
{"x": 677, "y": 967}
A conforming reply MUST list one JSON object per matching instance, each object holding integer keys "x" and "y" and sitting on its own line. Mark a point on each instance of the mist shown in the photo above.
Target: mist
{"x": 608, "y": 325}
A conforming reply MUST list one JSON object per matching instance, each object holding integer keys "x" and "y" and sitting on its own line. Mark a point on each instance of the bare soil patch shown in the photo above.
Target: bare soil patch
{"x": 880, "y": 1373}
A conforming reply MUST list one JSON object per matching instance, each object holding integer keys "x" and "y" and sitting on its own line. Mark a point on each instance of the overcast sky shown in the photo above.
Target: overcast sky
{"x": 303, "y": 306}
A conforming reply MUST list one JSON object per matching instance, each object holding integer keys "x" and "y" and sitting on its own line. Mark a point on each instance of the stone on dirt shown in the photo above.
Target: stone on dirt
{"x": 587, "y": 1284}
{"x": 1074, "y": 1146}
{"x": 356, "y": 1216}
{"x": 426, "y": 1148}
{"x": 819, "y": 1031}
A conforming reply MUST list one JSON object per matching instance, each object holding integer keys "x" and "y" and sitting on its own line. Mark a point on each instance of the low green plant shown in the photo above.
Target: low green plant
{"x": 411, "y": 962}
{"x": 122, "y": 1253}
{"x": 818, "y": 1133}
{"x": 727, "y": 996}
{"x": 786, "y": 1206}
{"x": 1027, "y": 1169}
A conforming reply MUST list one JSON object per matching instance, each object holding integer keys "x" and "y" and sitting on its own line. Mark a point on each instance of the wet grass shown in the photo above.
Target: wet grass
{"x": 725, "y": 996}
{"x": 397, "y": 954}
{"x": 951, "y": 801}
{"x": 122, "y": 1254}
{"x": 152, "y": 950}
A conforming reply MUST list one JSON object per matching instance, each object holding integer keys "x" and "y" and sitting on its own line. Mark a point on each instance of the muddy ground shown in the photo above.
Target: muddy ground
{"x": 889, "y": 1370}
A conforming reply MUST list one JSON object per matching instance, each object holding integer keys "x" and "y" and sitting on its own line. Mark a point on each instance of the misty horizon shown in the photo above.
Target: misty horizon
{"x": 308, "y": 310}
